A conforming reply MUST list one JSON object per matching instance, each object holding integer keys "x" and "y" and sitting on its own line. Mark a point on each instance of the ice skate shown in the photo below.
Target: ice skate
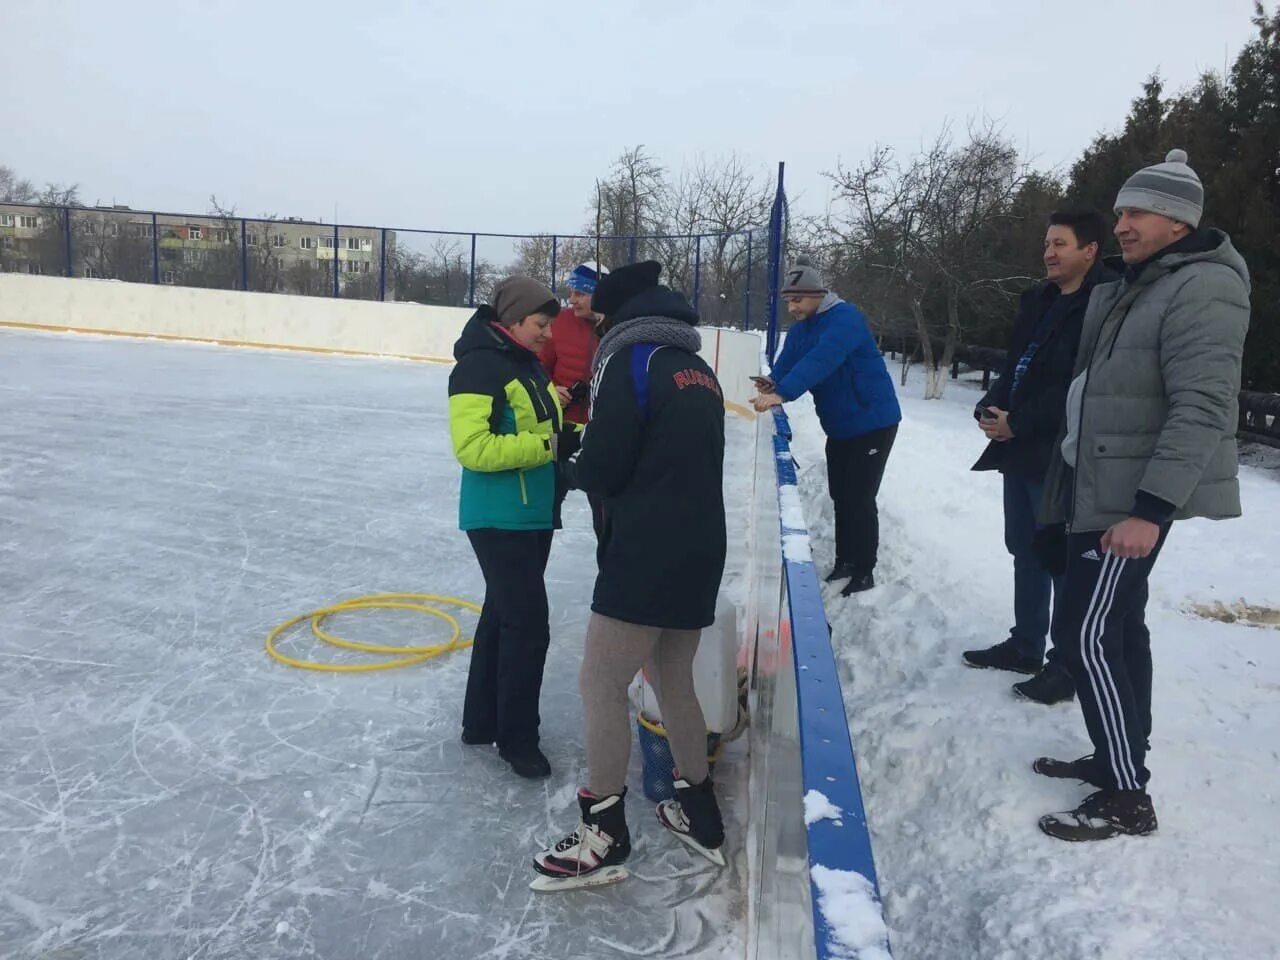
{"x": 593, "y": 854}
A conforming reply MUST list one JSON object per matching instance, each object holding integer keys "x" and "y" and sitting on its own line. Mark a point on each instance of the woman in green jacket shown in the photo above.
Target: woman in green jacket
{"x": 505, "y": 422}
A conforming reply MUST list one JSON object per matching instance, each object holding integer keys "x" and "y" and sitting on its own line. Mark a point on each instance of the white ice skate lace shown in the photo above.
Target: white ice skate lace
{"x": 595, "y": 841}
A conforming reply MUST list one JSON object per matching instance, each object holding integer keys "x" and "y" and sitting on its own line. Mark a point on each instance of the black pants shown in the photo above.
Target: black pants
{"x": 512, "y": 636}
{"x": 1101, "y": 636}
{"x": 855, "y": 468}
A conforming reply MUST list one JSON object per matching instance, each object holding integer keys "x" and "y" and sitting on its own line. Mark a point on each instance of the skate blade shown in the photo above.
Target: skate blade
{"x": 600, "y": 878}
{"x": 715, "y": 856}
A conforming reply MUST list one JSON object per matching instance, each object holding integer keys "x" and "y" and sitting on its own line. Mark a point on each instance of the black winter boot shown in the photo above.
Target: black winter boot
{"x": 859, "y": 584}
{"x": 1102, "y": 815}
{"x": 841, "y": 571}
{"x": 1003, "y": 656}
{"x": 1051, "y": 685}
{"x": 528, "y": 762}
{"x": 1084, "y": 769}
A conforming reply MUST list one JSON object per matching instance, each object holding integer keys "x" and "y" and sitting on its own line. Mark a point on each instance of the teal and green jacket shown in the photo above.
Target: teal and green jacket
{"x": 503, "y": 411}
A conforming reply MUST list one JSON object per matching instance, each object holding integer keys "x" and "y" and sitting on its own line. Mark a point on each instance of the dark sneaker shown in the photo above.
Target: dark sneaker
{"x": 1051, "y": 685}
{"x": 841, "y": 571}
{"x": 527, "y": 762}
{"x": 859, "y": 584}
{"x": 1083, "y": 769}
{"x": 1003, "y": 656}
{"x": 1103, "y": 815}
{"x": 473, "y": 739}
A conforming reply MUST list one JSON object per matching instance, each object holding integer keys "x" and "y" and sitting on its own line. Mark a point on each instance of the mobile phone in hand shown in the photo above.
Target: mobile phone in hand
{"x": 987, "y": 416}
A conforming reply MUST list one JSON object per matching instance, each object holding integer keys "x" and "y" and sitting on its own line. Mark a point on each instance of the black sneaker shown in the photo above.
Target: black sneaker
{"x": 1084, "y": 769}
{"x": 859, "y": 584}
{"x": 1103, "y": 815}
{"x": 1051, "y": 685}
{"x": 1003, "y": 656}
{"x": 527, "y": 762}
{"x": 841, "y": 571}
{"x": 473, "y": 739}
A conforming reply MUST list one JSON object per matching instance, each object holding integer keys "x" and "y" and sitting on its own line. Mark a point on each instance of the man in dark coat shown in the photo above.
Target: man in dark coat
{"x": 1021, "y": 415}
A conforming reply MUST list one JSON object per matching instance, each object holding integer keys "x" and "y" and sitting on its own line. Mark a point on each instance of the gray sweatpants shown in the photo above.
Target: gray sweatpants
{"x": 615, "y": 652}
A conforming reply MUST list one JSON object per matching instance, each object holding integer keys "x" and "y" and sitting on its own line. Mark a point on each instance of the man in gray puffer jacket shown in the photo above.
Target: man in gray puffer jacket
{"x": 1150, "y": 438}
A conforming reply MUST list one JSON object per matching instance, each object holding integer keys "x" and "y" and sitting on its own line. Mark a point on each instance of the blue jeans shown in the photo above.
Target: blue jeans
{"x": 1032, "y": 585}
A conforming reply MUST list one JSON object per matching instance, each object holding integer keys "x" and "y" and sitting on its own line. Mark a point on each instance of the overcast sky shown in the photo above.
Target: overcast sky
{"x": 499, "y": 115}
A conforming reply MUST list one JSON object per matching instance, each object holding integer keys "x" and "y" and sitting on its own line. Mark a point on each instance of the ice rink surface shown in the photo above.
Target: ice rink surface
{"x": 167, "y": 791}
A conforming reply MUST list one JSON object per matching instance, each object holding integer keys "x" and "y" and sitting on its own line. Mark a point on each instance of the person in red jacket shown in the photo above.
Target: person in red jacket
{"x": 568, "y": 355}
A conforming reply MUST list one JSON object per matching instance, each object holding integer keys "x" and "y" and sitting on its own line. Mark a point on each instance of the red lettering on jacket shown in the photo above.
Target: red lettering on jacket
{"x": 696, "y": 378}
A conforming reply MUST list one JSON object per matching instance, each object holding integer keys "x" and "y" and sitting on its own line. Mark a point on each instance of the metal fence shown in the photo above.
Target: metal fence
{"x": 727, "y": 276}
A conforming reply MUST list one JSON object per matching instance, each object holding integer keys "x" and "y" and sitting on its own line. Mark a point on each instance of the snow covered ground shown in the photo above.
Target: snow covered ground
{"x": 944, "y": 752}
{"x": 166, "y": 791}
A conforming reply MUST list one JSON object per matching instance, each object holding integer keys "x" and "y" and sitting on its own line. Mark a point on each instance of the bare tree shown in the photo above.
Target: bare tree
{"x": 929, "y": 226}
{"x": 13, "y": 189}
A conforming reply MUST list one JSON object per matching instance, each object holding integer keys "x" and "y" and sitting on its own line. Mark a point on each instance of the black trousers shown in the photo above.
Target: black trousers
{"x": 855, "y": 468}
{"x": 510, "y": 651}
{"x": 1100, "y": 634}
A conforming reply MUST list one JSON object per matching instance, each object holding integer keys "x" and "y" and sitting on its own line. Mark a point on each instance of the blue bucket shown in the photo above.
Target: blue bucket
{"x": 656, "y": 760}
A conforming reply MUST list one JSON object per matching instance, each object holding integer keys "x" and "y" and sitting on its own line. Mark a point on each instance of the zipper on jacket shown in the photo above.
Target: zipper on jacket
{"x": 1084, "y": 395}
{"x": 524, "y": 491}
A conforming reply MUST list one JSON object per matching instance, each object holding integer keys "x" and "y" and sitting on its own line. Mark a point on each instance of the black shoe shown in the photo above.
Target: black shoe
{"x": 1051, "y": 685}
{"x": 527, "y": 762}
{"x": 473, "y": 739}
{"x": 841, "y": 571}
{"x": 1003, "y": 656}
{"x": 1105, "y": 814}
{"x": 859, "y": 584}
{"x": 1083, "y": 769}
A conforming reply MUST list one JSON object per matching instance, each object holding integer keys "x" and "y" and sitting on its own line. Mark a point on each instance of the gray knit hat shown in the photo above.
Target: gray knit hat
{"x": 517, "y": 297}
{"x": 1170, "y": 188}
{"x": 803, "y": 280}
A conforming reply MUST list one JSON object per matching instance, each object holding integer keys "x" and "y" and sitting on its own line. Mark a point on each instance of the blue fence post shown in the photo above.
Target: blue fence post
{"x": 155, "y": 250}
{"x": 746, "y": 310}
{"x": 471, "y": 290}
{"x": 335, "y": 260}
{"x": 775, "y": 262}
{"x": 553, "y": 262}
{"x": 244, "y": 254}
{"x": 66, "y": 230}
{"x": 632, "y": 249}
{"x": 697, "y": 271}
{"x": 382, "y": 268}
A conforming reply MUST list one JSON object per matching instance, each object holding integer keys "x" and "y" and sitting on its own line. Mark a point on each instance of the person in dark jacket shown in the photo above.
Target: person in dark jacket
{"x": 1021, "y": 415}
{"x": 506, "y": 426}
{"x": 654, "y": 451}
{"x": 829, "y": 352}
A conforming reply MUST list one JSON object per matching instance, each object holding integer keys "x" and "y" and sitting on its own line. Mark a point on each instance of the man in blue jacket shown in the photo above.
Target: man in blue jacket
{"x": 829, "y": 352}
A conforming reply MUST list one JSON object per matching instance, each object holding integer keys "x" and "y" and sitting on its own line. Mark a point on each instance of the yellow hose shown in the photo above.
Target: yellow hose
{"x": 405, "y": 656}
